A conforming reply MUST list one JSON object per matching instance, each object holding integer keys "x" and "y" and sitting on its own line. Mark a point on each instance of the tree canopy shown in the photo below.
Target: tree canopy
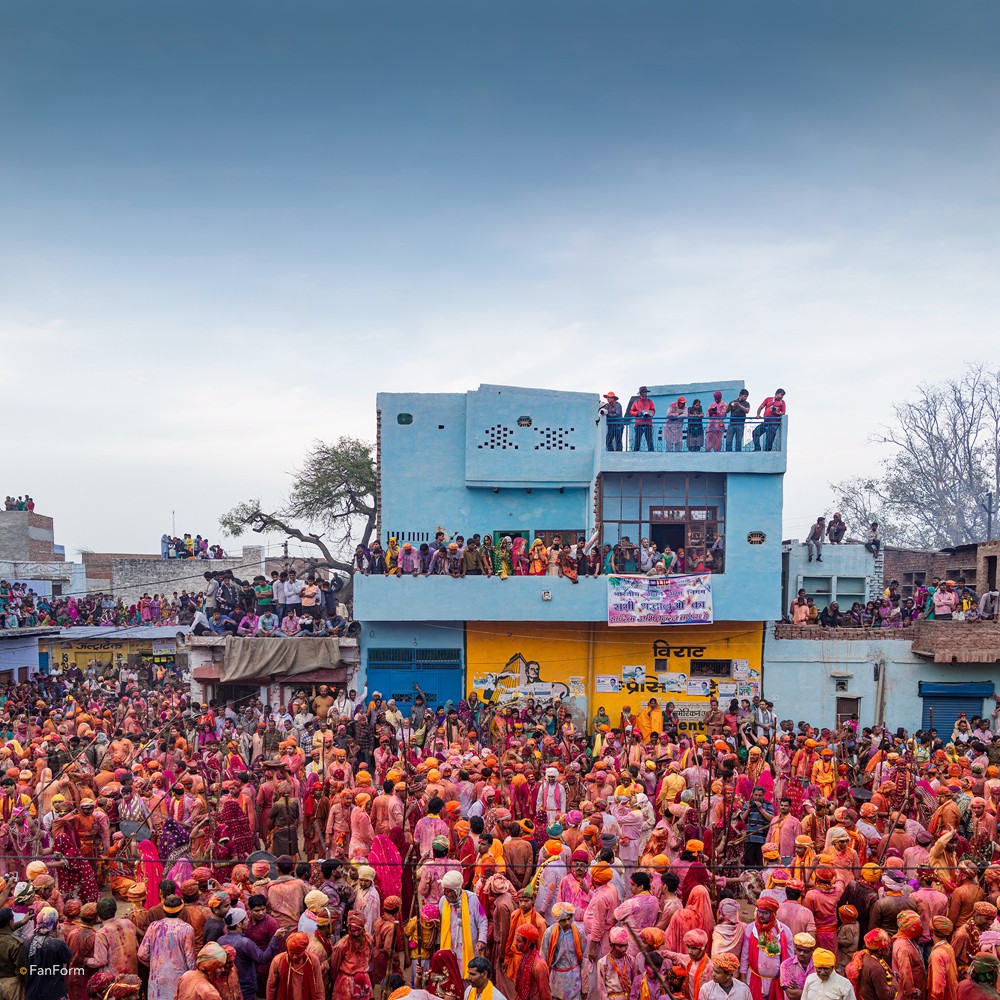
{"x": 933, "y": 490}
{"x": 331, "y": 505}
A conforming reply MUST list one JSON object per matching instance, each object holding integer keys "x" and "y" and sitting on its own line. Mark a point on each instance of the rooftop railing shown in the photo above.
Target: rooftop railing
{"x": 693, "y": 434}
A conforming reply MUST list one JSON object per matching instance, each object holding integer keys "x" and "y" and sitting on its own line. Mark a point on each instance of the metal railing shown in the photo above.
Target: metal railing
{"x": 692, "y": 434}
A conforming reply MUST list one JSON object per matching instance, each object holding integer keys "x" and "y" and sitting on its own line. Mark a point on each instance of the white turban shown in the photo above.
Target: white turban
{"x": 452, "y": 880}
{"x": 551, "y": 772}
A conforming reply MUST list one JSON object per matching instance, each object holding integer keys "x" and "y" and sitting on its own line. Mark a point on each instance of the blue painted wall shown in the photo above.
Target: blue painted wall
{"x": 19, "y": 652}
{"x": 800, "y": 676}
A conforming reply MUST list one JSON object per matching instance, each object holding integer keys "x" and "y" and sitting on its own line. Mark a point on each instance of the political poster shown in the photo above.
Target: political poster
{"x": 660, "y": 600}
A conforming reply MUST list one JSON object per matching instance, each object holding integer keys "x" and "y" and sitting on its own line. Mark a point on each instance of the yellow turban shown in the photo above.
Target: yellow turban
{"x": 823, "y": 959}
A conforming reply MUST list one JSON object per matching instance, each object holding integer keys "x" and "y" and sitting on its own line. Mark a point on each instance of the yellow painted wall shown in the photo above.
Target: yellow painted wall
{"x": 594, "y": 665}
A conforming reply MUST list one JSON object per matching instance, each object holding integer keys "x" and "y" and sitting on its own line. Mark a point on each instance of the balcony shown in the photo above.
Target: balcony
{"x": 523, "y": 598}
{"x": 663, "y": 444}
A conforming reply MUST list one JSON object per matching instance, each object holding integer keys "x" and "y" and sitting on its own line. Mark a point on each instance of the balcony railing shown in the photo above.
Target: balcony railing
{"x": 693, "y": 434}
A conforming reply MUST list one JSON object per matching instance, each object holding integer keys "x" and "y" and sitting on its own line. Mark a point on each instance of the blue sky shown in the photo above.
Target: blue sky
{"x": 247, "y": 218}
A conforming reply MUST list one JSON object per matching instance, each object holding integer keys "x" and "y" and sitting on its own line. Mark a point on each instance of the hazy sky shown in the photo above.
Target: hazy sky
{"x": 225, "y": 226}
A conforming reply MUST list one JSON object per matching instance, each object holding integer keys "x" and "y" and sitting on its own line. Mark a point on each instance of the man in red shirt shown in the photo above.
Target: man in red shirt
{"x": 773, "y": 409}
{"x": 641, "y": 411}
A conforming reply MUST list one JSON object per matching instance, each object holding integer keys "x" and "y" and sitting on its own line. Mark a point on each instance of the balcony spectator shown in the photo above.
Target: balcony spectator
{"x": 673, "y": 431}
{"x": 680, "y": 561}
{"x": 799, "y": 610}
{"x": 611, "y": 410}
{"x": 519, "y": 556}
{"x": 409, "y": 560}
{"x": 554, "y": 549}
{"x": 830, "y": 616}
{"x": 836, "y": 529}
{"x": 647, "y": 556}
{"x": 658, "y": 569}
{"x": 873, "y": 544}
{"x": 503, "y": 560}
{"x": 642, "y": 411}
{"x": 361, "y": 561}
{"x": 716, "y": 423}
{"x": 538, "y": 559}
{"x": 989, "y": 604}
{"x": 814, "y": 540}
{"x": 945, "y": 601}
{"x": 696, "y": 426}
{"x": 716, "y": 558}
{"x": 737, "y": 410}
{"x": 773, "y": 409}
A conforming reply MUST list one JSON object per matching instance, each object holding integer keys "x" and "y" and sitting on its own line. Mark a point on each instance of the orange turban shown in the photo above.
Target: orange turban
{"x": 600, "y": 873}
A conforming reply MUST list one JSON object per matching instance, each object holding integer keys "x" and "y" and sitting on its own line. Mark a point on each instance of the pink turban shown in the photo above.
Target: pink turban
{"x": 696, "y": 938}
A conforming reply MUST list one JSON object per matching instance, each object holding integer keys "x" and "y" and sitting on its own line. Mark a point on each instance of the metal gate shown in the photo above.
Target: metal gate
{"x": 393, "y": 672}
{"x": 948, "y": 701}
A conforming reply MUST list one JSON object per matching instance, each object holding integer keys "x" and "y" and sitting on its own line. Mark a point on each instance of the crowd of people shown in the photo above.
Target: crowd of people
{"x": 339, "y": 849}
{"x": 285, "y": 606}
{"x": 943, "y": 600}
{"x": 512, "y": 555}
{"x": 188, "y": 547}
{"x": 19, "y": 503}
{"x": 693, "y": 428}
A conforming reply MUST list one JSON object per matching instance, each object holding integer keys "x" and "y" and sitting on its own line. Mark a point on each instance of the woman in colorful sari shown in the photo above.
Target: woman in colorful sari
{"x": 519, "y": 558}
{"x": 76, "y": 879}
{"x": 567, "y": 564}
{"x": 392, "y": 557}
{"x": 538, "y": 559}
{"x": 234, "y": 819}
{"x": 503, "y": 558}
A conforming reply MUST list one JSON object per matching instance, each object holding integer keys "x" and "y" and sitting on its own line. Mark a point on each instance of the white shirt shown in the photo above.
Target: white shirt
{"x": 837, "y": 987}
{"x": 293, "y": 592}
{"x": 497, "y": 995}
{"x": 713, "y": 991}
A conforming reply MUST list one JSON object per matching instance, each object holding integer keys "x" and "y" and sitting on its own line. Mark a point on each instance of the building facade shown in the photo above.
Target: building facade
{"x": 504, "y": 461}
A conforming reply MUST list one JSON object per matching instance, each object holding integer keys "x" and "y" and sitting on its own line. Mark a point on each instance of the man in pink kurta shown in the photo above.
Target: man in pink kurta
{"x": 600, "y": 915}
{"x": 639, "y": 911}
{"x": 116, "y": 945}
{"x": 168, "y": 949}
{"x": 784, "y": 829}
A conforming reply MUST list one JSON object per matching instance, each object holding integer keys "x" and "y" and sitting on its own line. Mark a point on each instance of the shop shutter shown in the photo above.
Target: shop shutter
{"x": 393, "y": 672}
{"x": 948, "y": 701}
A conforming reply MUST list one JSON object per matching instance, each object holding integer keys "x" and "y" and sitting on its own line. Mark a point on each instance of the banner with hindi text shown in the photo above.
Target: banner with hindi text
{"x": 660, "y": 600}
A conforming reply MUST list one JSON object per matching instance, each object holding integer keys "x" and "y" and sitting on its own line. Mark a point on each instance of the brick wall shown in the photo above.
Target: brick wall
{"x": 27, "y": 537}
{"x": 913, "y": 567}
{"x": 819, "y": 633}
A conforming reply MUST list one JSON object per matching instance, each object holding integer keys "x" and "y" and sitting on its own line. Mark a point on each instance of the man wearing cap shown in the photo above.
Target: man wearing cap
{"x": 611, "y": 410}
{"x": 248, "y": 955}
{"x": 942, "y": 971}
{"x": 965, "y": 940}
{"x": 116, "y": 943}
{"x": 797, "y": 969}
{"x": 766, "y": 944}
{"x": 463, "y": 922}
{"x": 722, "y": 985}
{"x": 562, "y": 950}
{"x": 641, "y": 411}
{"x": 982, "y": 981}
{"x": 551, "y": 797}
{"x": 615, "y": 971}
{"x": 826, "y": 983}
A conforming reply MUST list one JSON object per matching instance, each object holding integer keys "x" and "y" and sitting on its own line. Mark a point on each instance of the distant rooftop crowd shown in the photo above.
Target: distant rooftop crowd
{"x": 943, "y": 600}
{"x": 511, "y": 555}
{"x": 21, "y": 503}
{"x": 834, "y": 532}
{"x": 283, "y": 607}
{"x": 692, "y": 427}
{"x": 225, "y": 606}
{"x": 187, "y": 547}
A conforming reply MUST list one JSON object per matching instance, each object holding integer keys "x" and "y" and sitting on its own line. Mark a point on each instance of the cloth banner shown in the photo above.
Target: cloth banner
{"x": 660, "y": 600}
{"x": 252, "y": 658}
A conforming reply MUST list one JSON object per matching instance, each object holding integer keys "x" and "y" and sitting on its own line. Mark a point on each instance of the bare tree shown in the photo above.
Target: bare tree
{"x": 332, "y": 499}
{"x": 933, "y": 490}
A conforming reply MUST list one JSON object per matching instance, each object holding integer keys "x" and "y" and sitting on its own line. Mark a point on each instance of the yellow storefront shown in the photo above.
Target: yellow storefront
{"x": 589, "y": 666}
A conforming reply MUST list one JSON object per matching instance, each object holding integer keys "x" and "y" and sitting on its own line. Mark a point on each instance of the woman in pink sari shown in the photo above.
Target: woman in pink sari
{"x": 149, "y": 871}
{"x": 518, "y": 556}
{"x": 697, "y": 915}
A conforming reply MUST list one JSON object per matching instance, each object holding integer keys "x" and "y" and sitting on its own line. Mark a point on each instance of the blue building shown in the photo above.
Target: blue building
{"x": 507, "y": 461}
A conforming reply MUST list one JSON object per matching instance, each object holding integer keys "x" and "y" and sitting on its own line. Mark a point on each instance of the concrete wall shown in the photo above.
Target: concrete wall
{"x": 801, "y": 675}
{"x": 847, "y": 573}
{"x": 19, "y": 652}
{"x": 47, "y": 577}
{"x": 27, "y": 536}
{"x": 131, "y": 578}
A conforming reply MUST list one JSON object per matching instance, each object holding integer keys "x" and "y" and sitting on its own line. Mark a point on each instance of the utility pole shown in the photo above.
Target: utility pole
{"x": 988, "y": 507}
{"x": 285, "y": 548}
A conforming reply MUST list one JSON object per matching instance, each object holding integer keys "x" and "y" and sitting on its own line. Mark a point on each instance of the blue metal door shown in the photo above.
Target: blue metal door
{"x": 948, "y": 701}
{"x": 393, "y": 673}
